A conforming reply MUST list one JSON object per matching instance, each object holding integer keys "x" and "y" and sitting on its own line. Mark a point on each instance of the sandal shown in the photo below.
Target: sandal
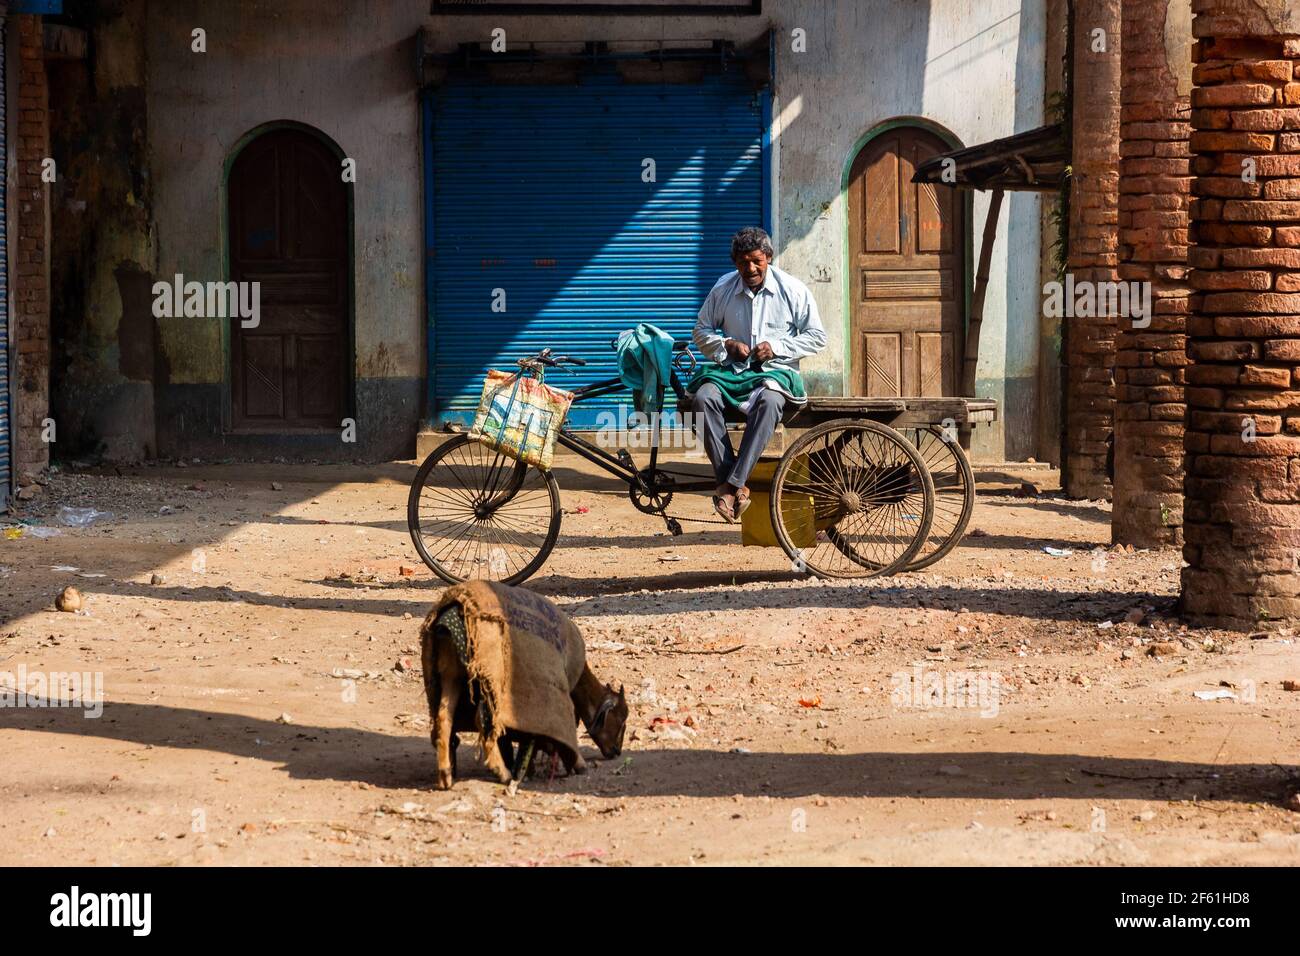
{"x": 724, "y": 508}
{"x": 742, "y": 502}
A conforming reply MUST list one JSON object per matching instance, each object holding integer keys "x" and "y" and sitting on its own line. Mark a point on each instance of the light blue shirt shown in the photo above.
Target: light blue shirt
{"x": 782, "y": 313}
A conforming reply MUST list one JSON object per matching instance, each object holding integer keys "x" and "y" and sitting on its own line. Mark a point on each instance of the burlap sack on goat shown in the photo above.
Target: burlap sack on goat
{"x": 524, "y": 652}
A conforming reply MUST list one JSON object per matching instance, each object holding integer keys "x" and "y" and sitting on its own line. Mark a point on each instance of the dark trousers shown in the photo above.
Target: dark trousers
{"x": 711, "y": 425}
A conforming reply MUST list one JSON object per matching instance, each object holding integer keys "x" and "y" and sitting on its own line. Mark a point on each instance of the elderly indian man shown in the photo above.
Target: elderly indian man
{"x": 755, "y": 326}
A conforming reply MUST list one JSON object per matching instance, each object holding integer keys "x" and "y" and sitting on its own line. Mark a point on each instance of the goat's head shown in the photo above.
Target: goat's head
{"x": 609, "y": 722}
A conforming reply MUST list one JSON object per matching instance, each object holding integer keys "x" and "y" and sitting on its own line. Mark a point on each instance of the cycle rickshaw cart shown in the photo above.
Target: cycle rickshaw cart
{"x": 870, "y": 486}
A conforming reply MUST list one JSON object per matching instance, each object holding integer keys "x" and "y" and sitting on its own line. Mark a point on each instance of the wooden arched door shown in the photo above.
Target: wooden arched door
{"x": 907, "y": 270}
{"x": 288, "y": 221}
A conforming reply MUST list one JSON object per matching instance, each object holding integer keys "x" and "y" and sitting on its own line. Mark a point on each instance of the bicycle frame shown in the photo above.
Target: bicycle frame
{"x": 625, "y": 470}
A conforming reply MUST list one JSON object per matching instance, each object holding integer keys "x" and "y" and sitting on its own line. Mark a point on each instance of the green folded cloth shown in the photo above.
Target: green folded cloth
{"x": 645, "y": 364}
{"x": 736, "y": 386}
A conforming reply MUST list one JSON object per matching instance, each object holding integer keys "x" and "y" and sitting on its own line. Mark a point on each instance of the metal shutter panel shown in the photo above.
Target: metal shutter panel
{"x": 537, "y": 190}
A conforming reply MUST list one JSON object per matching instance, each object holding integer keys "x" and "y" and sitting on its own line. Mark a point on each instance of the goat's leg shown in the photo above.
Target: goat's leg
{"x": 432, "y": 689}
{"x": 498, "y": 758}
{"x": 575, "y": 764}
{"x": 496, "y": 762}
{"x": 506, "y": 747}
{"x": 449, "y": 673}
{"x": 434, "y": 694}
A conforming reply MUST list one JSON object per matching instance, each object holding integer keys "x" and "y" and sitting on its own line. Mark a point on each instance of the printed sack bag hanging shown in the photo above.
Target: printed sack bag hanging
{"x": 520, "y": 416}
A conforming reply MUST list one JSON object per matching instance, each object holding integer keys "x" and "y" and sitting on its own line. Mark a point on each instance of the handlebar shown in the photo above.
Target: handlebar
{"x": 545, "y": 357}
{"x": 555, "y": 361}
{"x": 681, "y": 351}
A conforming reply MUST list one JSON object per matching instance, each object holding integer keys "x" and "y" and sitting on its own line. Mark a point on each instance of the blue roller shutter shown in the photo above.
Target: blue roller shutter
{"x": 538, "y": 191}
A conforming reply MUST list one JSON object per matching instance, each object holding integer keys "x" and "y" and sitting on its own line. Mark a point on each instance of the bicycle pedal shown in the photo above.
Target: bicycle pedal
{"x": 674, "y": 526}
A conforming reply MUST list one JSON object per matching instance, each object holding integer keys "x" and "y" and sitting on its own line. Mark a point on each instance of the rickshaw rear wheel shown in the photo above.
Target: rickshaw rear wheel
{"x": 851, "y": 498}
{"x": 954, "y": 492}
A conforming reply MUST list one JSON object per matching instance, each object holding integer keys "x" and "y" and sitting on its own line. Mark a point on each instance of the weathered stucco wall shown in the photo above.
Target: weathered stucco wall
{"x": 350, "y": 73}
{"x": 973, "y": 70}
{"x": 102, "y": 366}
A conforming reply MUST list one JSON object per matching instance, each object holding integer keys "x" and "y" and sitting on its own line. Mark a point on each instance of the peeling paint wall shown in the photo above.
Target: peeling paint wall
{"x": 264, "y": 64}
{"x": 350, "y": 74}
{"x": 102, "y": 363}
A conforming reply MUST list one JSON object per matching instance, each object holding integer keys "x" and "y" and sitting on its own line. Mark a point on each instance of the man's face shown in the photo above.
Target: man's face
{"x": 752, "y": 267}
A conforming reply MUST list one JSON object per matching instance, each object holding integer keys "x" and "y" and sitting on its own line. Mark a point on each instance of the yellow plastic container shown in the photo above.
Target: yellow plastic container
{"x": 756, "y": 523}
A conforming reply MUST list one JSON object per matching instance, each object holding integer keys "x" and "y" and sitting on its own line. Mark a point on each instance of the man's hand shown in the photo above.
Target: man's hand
{"x": 763, "y": 352}
{"x": 737, "y": 351}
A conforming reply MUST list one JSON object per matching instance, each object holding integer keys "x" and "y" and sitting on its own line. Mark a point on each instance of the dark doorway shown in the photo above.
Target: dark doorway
{"x": 907, "y": 270}
{"x": 288, "y": 220}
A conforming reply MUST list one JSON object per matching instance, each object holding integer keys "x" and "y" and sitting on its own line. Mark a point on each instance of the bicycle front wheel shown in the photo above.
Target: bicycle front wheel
{"x": 475, "y": 513}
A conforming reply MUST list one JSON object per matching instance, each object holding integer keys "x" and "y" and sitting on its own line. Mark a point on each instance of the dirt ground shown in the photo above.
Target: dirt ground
{"x": 772, "y": 718}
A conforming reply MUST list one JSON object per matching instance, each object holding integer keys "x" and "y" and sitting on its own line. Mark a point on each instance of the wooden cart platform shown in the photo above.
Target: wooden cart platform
{"x": 896, "y": 412}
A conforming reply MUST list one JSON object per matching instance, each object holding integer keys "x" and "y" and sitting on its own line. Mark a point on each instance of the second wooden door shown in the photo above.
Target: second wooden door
{"x": 907, "y": 270}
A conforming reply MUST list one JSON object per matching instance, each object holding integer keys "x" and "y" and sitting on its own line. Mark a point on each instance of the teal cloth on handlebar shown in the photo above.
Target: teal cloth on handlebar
{"x": 736, "y": 386}
{"x": 645, "y": 365}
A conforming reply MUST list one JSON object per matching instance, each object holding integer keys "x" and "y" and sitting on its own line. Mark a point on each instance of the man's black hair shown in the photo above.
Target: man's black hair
{"x": 749, "y": 239}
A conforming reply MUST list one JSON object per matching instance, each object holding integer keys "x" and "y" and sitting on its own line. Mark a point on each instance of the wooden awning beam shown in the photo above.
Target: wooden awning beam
{"x": 1035, "y": 161}
{"x": 977, "y": 296}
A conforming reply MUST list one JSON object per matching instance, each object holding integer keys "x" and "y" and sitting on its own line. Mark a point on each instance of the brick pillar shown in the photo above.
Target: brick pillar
{"x": 31, "y": 317}
{"x": 1242, "y": 507}
{"x": 1154, "y": 184}
{"x": 1094, "y": 200}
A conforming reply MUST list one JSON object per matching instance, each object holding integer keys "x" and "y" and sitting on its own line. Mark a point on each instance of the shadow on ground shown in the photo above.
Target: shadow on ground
{"x": 384, "y": 760}
{"x": 645, "y": 595}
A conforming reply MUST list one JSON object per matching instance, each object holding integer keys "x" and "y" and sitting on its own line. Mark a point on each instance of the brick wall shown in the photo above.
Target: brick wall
{"x": 1154, "y": 185}
{"x": 1094, "y": 198}
{"x": 31, "y": 315}
{"x": 1242, "y": 507}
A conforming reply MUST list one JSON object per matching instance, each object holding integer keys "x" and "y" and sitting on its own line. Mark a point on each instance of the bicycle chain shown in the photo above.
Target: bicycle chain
{"x": 698, "y": 520}
{"x": 665, "y": 515}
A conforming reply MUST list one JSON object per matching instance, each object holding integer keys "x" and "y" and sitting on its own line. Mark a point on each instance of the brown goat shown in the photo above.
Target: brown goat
{"x": 601, "y": 709}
